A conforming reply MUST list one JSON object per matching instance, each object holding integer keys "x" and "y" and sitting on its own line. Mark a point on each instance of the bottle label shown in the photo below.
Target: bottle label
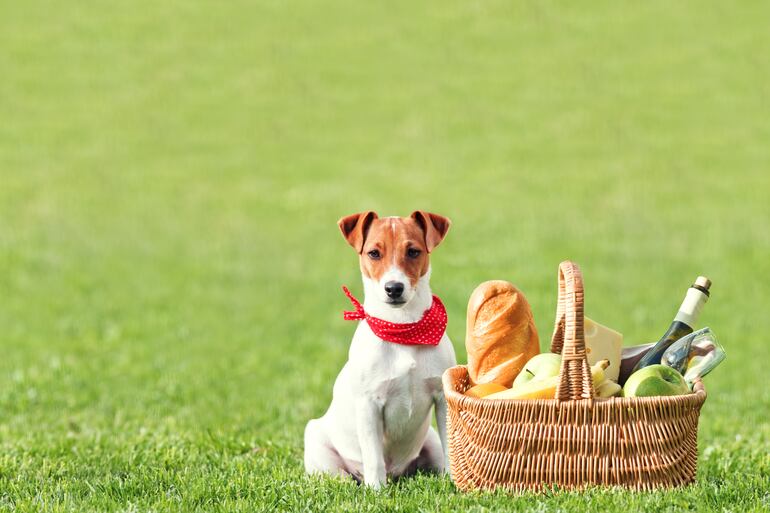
{"x": 691, "y": 306}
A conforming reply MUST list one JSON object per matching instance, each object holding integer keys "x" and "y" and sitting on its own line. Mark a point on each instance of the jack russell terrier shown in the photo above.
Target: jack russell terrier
{"x": 378, "y": 424}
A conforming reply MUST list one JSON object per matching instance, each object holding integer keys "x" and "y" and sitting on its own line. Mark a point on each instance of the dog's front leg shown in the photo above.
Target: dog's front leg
{"x": 440, "y": 407}
{"x": 370, "y": 429}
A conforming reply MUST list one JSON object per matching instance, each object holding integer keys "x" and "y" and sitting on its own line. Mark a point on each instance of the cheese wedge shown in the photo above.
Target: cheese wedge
{"x": 603, "y": 343}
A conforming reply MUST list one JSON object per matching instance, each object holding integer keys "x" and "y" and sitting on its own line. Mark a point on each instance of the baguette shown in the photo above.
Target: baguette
{"x": 500, "y": 333}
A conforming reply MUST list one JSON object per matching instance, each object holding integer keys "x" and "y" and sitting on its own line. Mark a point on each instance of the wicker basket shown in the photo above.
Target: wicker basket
{"x": 575, "y": 440}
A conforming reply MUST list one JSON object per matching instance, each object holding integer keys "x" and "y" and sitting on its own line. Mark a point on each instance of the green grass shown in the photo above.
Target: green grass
{"x": 170, "y": 269}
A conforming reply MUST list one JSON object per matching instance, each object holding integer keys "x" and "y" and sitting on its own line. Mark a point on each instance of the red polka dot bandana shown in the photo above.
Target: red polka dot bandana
{"x": 425, "y": 332}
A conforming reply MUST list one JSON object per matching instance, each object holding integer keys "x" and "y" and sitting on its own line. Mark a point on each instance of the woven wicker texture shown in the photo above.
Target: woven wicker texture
{"x": 575, "y": 440}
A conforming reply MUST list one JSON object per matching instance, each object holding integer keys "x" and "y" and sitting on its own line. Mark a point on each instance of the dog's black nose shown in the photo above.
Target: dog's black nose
{"x": 394, "y": 289}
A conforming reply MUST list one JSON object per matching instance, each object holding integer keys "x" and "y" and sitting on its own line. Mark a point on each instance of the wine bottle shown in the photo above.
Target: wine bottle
{"x": 683, "y": 323}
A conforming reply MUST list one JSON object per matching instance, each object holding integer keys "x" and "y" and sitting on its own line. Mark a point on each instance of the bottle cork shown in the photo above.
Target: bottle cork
{"x": 703, "y": 282}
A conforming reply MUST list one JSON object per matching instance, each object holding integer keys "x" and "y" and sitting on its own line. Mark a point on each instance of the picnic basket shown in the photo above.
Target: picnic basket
{"x": 574, "y": 440}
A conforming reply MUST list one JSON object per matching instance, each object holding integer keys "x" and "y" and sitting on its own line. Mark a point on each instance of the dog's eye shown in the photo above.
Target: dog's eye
{"x": 413, "y": 252}
{"x": 374, "y": 254}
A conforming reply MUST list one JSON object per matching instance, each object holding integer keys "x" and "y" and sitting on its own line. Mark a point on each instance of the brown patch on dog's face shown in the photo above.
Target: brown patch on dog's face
{"x": 395, "y": 242}
{"x": 394, "y": 251}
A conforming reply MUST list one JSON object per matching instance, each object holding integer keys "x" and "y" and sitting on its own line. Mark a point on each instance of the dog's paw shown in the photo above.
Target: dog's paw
{"x": 375, "y": 484}
{"x": 447, "y": 470}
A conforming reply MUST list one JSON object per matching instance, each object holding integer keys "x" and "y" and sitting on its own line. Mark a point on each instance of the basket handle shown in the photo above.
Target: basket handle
{"x": 575, "y": 380}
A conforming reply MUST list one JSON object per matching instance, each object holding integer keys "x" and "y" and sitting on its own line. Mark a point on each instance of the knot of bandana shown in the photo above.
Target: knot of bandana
{"x": 425, "y": 332}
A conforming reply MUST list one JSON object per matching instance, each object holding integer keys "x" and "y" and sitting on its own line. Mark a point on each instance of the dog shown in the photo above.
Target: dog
{"x": 378, "y": 424}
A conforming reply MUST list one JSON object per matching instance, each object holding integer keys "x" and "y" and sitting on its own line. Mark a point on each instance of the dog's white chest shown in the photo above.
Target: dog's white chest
{"x": 408, "y": 398}
{"x": 403, "y": 379}
{"x": 388, "y": 368}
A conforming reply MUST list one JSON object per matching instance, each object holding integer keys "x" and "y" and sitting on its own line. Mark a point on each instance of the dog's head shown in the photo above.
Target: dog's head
{"x": 394, "y": 251}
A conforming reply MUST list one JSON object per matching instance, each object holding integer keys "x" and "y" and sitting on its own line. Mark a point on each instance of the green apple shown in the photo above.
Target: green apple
{"x": 655, "y": 380}
{"x": 539, "y": 367}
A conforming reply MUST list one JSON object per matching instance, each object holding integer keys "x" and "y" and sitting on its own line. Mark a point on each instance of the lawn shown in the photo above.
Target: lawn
{"x": 171, "y": 174}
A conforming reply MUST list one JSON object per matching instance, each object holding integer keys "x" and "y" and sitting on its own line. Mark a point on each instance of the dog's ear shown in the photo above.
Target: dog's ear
{"x": 433, "y": 225}
{"x": 355, "y": 226}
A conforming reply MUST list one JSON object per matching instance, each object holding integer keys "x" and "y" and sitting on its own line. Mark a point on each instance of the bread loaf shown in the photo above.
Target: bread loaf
{"x": 500, "y": 333}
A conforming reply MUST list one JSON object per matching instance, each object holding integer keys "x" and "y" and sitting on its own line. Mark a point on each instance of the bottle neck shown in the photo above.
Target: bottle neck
{"x": 691, "y": 307}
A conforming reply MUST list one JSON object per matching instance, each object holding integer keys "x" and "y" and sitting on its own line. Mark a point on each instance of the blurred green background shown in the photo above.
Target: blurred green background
{"x": 171, "y": 174}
